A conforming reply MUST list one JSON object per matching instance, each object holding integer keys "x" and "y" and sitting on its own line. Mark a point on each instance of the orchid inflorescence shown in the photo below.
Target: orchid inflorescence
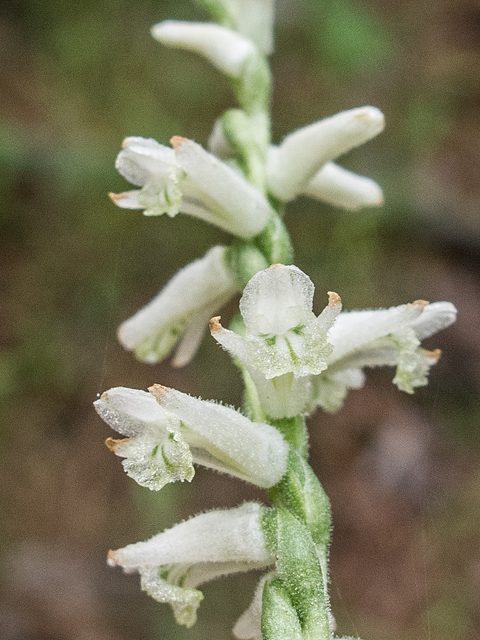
{"x": 292, "y": 361}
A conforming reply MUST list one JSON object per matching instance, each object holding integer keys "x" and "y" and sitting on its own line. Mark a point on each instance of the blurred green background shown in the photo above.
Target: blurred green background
{"x": 403, "y": 472}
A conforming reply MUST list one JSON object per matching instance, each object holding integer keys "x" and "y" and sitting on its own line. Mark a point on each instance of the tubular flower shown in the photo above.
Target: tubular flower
{"x": 189, "y": 179}
{"x": 168, "y": 431}
{"x": 301, "y": 164}
{"x": 181, "y": 311}
{"x": 381, "y": 337}
{"x": 285, "y": 343}
{"x": 296, "y": 361}
{"x": 226, "y": 49}
{"x": 173, "y": 563}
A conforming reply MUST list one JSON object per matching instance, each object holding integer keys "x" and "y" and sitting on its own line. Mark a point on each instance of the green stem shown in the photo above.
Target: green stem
{"x": 294, "y": 430}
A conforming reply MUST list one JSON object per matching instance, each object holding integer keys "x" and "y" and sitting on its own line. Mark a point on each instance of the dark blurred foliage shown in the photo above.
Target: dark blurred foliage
{"x": 402, "y": 471}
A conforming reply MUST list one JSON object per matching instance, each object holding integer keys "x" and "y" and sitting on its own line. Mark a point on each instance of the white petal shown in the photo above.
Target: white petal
{"x": 248, "y": 626}
{"x": 198, "y": 290}
{"x": 223, "y": 47}
{"x": 141, "y": 158}
{"x": 252, "y": 451}
{"x": 354, "y": 329}
{"x": 293, "y": 164}
{"x": 216, "y": 536}
{"x": 342, "y": 188}
{"x": 237, "y": 206}
{"x": 129, "y": 411}
{"x": 191, "y": 339}
{"x": 276, "y": 299}
{"x": 127, "y": 199}
{"x": 435, "y": 317}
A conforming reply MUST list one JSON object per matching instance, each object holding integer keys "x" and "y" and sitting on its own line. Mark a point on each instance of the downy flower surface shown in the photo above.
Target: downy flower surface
{"x": 224, "y": 48}
{"x": 301, "y": 164}
{"x": 167, "y": 431}
{"x": 217, "y": 543}
{"x": 297, "y": 361}
{"x": 381, "y": 337}
{"x": 189, "y": 179}
{"x": 181, "y": 311}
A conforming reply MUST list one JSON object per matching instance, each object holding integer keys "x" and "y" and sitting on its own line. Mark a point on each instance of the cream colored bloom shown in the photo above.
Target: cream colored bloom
{"x": 189, "y": 179}
{"x": 296, "y": 361}
{"x": 174, "y": 563}
{"x": 167, "y": 431}
{"x": 181, "y": 311}
{"x": 295, "y": 167}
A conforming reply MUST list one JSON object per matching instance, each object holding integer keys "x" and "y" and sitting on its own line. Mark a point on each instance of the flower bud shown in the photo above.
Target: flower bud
{"x": 221, "y": 46}
{"x": 295, "y": 162}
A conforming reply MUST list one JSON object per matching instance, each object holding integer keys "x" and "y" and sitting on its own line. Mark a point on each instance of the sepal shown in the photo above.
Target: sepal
{"x": 223, "y": 439}
{"x": 280, "y": 620}
{"x": 341, "y": 188}
{"x": 154, "y": 452}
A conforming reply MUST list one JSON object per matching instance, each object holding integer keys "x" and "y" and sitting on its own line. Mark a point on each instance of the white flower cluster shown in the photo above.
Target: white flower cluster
{"x": 186, "y": 178}
{"x": 296, "y": 361}
{"x": 292, "y": 360}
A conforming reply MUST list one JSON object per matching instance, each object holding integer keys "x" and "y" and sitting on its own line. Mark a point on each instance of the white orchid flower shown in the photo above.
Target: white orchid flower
{"x": 285, "y": 343}
{"x": 299, "y": 164}
{"x": 189, "y": 179}
{"x": 181, "y": 311}
{"x": 173, "y": 563}
{"x": 381, "y": 337}
{"x": 226, "y": 49}
{"x": 155, "y": 449}
{"x": 331, "y": 184}
{"x": 296, "y": 361}
{"x": 167, "y": 431}
{"x": 283, "y": 335}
